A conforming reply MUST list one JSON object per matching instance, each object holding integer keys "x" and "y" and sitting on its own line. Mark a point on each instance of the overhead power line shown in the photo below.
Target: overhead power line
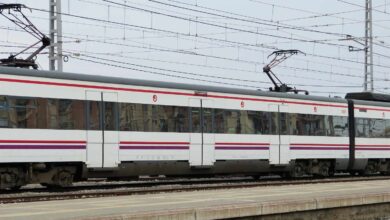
{"x": 183, "y": 34}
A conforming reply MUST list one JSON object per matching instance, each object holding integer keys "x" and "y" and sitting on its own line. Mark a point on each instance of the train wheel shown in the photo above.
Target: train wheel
{"x": 297, "y": 171}
{"x": 10, "y": 180}
{"x": 63, "y": 178}
{"x": 324, "y": 170}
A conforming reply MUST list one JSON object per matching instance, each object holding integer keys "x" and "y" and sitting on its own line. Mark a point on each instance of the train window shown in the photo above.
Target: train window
{"x": 219, "y": 121}
{"x": 241, "y": 122}
{"x": 232, "y": 122}
{"x": 42, "y": 116}
{"x": 169, "y": 119}
{"x": 48, "y": 111}
{"x": 41, "y": 113}
{"x": 362, "y": 127}
{"x": 181, "y": 119}
{"x": 162, "y": 118}
{"x": 110, "y": 118}
{"x": 3, "y": 112}
{"x": 318, "y": 125}
{"x": 154, "y": 118}
{"x": 275, "y": 123}
{"x": 94, "y": 112}
{"x": 265, "y": 122}
{"x": 387, "y": 129}
{"x": 65, "y": 114}
{"x": 308, "y": 125}
{"x": 377, "y": 128}
{"x": 296, "y": 124}
{"x": 149, "y": 114}
{"x": 254, "y": 122}
{"x": 336, "y": 126}
{"x": 70, "y": 114}
{"x": 22, "y": 112}
{"x": 248, "y": 121}
{"x": 279, "y": 123}
{"x": 195, "y": 120}
{"x": 283, "y": 117}
{"x": 131, "y": 117}
{"x": 207, "y": 120}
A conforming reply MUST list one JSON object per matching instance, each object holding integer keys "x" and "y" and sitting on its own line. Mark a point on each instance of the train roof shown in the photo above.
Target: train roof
{"x": 369, "y": 96}
{"x": 149, "y": 83}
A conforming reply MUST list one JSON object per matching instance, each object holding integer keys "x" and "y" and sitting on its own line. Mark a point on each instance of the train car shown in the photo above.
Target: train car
{"x": 57, "y": 128}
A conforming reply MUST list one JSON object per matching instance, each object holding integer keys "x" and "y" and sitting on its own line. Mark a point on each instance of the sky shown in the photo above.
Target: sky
{"x": 215, "y": 42}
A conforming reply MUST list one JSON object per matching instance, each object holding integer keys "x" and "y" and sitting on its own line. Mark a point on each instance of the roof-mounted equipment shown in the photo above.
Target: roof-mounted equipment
{"x": 10, "y": 12}
{"x": 279, "y": 57}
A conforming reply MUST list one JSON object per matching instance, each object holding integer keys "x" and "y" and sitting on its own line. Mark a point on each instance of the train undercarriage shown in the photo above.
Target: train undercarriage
{"x": 57, "y": 175}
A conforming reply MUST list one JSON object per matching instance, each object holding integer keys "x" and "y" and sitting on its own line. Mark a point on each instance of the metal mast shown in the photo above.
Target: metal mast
{"x": 368, "y": 58}
{"x": 55, "y": 52}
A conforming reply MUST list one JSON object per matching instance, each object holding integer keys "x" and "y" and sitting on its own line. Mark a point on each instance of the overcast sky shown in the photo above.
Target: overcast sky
{"x": 215, "y": 42}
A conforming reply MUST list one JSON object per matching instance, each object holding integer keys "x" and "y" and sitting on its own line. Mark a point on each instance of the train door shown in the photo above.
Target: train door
{"x": 201, "y": 136}
{"x": 102, "y": 133}
{"x": 280, "y": 140}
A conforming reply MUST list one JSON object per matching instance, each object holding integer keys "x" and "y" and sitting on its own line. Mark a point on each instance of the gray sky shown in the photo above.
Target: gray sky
{"x": 215, "y": 42}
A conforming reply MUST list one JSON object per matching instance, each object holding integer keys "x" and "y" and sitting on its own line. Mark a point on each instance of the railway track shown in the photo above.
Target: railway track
{"x": 161, "y": 186}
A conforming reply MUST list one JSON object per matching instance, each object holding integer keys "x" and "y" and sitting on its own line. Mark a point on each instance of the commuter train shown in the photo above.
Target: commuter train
{"x": 57, "y": 128}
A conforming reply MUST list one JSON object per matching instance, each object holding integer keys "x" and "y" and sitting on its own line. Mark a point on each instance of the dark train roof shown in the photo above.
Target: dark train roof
{"x": 368, "y": 96}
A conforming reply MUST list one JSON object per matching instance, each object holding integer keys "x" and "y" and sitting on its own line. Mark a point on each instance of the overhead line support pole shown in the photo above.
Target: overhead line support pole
{"x": 368, "y": 57}
{"x": 55, "y": 50}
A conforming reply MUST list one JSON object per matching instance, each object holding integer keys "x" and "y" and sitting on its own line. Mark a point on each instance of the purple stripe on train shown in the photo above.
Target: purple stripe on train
{"x": 241, "y": 148}
{"x": 42, "y": 147}
{"x": 148, "y": 147}
{"x": 318, "y": 148}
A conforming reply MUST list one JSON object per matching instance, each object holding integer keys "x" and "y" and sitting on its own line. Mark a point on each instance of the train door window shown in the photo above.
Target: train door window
{"x": 195, "y": 120}
{"x": 362, "y": 127}
{"x": 94, "y": 112}
{"x": 377, "y": 128}
{"x": 207, "y": 120}
{"x": 275, "y": 123}
{"x": 110, "y": 117}
{"x": 283, "y": 120}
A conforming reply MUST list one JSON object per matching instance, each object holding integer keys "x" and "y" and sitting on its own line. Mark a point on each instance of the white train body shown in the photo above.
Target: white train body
{"x": 230, "y": 137}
